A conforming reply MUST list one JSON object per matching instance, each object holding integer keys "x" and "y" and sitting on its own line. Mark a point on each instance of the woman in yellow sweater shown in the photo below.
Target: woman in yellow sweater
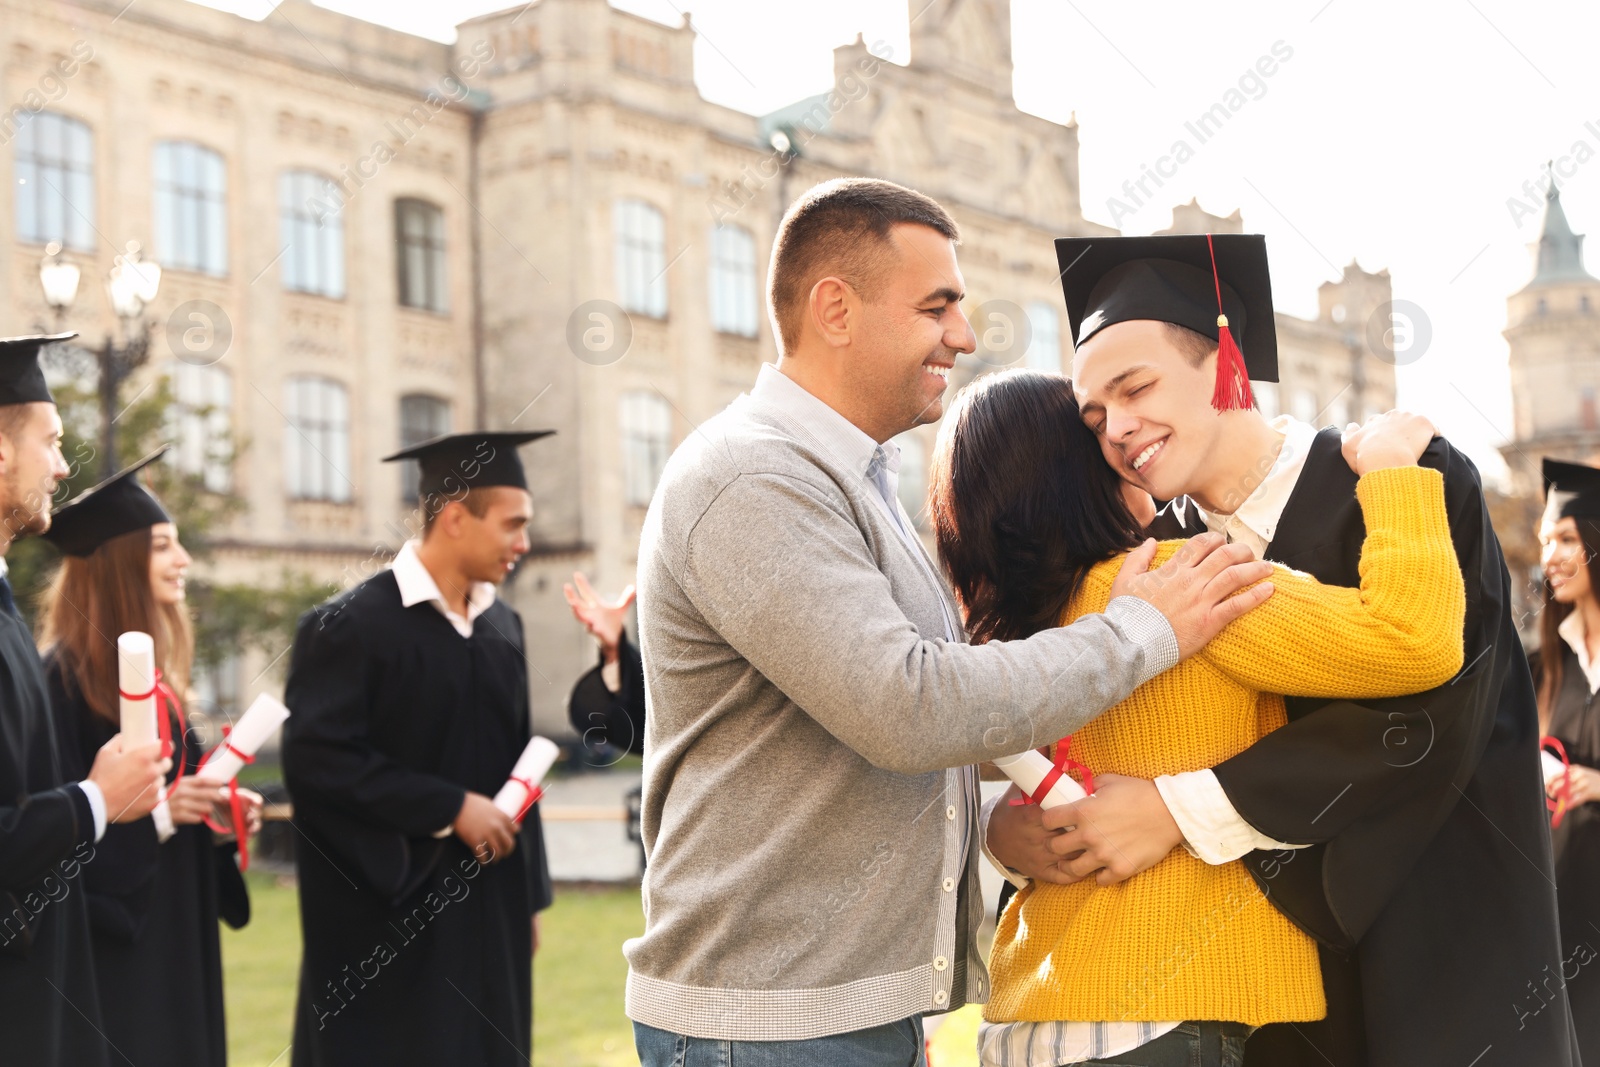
{"x": 1033, "y": 526}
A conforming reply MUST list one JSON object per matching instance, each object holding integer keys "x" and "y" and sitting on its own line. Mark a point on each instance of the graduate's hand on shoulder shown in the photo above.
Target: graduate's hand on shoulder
{"x": 1393, "y": 439}
{"x": 1198, "y": 589}
{"x": 489, "y": 832}
{"x": 1123, "y": 828}
{"x": 192, "y": 799}
{"x": 131, "y": 781}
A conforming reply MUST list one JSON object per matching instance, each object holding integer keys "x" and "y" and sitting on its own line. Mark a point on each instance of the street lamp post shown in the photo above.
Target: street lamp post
{"x": 132, "y": 284}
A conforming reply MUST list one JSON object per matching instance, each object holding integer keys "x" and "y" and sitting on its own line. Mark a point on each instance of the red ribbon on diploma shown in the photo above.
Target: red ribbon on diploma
{"x": 164, "y": 723}
{"x": 1062, "y": 763}
{"x": 1562, "y": 801}
{"x": 241, "y": 832}
{"x": 534, "y": 793}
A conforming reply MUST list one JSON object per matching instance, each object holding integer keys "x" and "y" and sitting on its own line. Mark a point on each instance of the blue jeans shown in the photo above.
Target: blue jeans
{"x": 890, "y": 1045}
{"x": 1194, "y": 1044}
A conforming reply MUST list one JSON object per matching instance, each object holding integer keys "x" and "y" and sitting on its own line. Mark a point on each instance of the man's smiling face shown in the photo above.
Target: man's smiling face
{"x": 1150, "y": 404}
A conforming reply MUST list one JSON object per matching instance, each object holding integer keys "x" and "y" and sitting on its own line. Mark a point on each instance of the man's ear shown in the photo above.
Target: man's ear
{"x": 832, "y": 307}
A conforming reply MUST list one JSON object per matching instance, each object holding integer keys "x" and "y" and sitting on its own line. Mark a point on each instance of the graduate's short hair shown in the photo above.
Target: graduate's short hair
{"x": 840, "y": 228}
{"x": 1196, "y": 347}
{"x": 476, "y": 501}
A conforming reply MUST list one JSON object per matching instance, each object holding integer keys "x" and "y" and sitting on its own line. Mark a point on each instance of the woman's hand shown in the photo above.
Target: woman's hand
{"x": 1585, "y": 786}
{"x": 192, "y": 799}
{"x": 1393, "y": 439}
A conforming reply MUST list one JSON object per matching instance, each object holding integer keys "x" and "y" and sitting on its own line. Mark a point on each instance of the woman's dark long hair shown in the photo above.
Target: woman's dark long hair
{"x": 1552, "y": 646}
{"x": 1022, "y": 502}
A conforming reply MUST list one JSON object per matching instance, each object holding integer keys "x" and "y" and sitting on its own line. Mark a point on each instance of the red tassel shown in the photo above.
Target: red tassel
{"x": 1233, "y": 380}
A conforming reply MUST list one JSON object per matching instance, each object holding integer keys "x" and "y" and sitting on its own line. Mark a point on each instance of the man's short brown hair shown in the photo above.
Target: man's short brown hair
{"x": 840, "y": 228}
{"x": 476, "y": 501}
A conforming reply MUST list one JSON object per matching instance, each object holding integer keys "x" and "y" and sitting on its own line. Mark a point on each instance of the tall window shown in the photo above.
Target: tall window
{"x": 202, "y": 417}
{"x": 54, "y": 167}
{"x": 646, "y": 444}
{"x": 311, "y": 234}
{"x": 1303, "y": 405}
{"x": 419, "y": 251}
{"x": 316, "y": 454}
{"x": 1266, "y": 394}
{"x": 733, "y": 281}
{"x": 191, "y": 187}
{"x": 641, "y": 252}
{"x": 1044, "y": 346}
{"x": 421, "y": 417}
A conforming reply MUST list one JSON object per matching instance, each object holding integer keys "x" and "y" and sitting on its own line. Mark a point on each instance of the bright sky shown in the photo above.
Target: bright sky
{"x": 1395, "y": 134}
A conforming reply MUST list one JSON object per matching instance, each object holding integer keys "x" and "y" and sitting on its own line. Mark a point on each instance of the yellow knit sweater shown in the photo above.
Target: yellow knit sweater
{"x": 1186, "y": 940}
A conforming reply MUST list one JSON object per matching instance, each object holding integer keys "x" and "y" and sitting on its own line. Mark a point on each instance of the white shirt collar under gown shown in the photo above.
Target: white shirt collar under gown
{"x": 417, "y": 586}
{"x": 1572, "y": 631}
{"x": 1255, "y": 522}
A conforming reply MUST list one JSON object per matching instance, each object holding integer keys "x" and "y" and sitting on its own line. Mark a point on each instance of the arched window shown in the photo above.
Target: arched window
{"x": 191, "y": 208}
{"x": 202, "y": 417}
{"x": 421, "y": 417}
{"x": 316, "y": 455}
{"x": 734, "y": 292}
{"x": 1044, "y": 344}
{"x": 311, "y": 234}
{"x": 646, "y": 444}
{"x": 54, "y": 175}
{"x": 419, "y": 253}
{"x": 641, "y": 255}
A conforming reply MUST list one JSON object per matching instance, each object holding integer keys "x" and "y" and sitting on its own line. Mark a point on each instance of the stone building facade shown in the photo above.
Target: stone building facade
{"x": 542, "y": 225}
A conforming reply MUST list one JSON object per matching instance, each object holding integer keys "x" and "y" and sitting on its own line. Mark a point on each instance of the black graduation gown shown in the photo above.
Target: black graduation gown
{"x": 153, "y": 912}
{"x": 1429, "y": 884}
{"x": 49, "y": 1009}
{"x": 414, "y": 953}
{"x": 1575, "y": 720}
{"x": 617, "y": 719}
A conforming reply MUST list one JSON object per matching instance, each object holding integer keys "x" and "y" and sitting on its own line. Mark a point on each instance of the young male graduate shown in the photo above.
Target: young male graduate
{"x": 1427, "y": 880}
{"x": 409, "y": 693}
{"x": 49, "y": 1010}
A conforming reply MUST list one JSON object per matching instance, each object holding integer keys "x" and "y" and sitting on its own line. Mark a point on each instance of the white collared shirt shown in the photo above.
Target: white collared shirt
{"x": 1572, "y": 631}
{"x": 417, "y": 585}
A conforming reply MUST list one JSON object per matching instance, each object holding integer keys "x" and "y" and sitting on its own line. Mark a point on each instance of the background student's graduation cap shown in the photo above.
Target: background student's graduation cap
{"x": 1571, "y": 490}
{"x": 116, "y": 506}
{"x": 1214, "y": 284}
{"x": 469, "y": 460}
{"x": 21, "y": 377}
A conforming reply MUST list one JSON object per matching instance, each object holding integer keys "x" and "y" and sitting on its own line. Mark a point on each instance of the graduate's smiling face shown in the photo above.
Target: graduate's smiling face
{"x": 1564, "y": 560}
{"x": 169, "y": 564}
{"x": 1150, "y": 404}
{"x": 490, "y": 545}
{"x": 31, "y": 465}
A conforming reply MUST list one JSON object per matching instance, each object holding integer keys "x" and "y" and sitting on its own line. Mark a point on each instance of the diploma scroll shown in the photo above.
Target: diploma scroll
{"x": 1028, "y": 770}
{"x": 136, "y": 682}
{"x": 522, "y": 788}
{"x": 258, "y": 723}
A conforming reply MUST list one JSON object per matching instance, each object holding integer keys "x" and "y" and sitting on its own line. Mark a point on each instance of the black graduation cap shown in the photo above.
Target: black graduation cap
{"x": 1572, "y": 488}
{"x": 1214, "y": 284}
{"x": 21, "y": 377}
{"x": 459, "y": 461}
{"x": 118, "y": 505}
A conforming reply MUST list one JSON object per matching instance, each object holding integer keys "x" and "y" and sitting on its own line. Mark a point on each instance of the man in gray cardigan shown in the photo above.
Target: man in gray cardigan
{"x": 814, "y": 710}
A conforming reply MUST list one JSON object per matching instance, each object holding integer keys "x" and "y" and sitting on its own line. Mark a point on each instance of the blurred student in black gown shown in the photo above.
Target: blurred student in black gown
{"x": 1567, "y": 667}
{"x": 607, "y": 703}
{"x": 153, "y": 906}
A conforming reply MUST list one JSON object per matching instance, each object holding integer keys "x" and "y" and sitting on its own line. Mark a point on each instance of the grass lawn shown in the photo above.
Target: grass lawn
{"x": 577, "y": 993}
{"x": 578, "y": 977}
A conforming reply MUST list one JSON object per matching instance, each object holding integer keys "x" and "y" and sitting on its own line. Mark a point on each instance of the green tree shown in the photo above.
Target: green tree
{"x": 229, "y": 618}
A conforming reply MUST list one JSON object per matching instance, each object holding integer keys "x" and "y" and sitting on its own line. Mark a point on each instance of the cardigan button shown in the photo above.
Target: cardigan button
{"x": 949, "y": 884}
{"x": 940, "y": 997}
{"x": 950, "y": 812}
{"x": 940, "y": 963}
